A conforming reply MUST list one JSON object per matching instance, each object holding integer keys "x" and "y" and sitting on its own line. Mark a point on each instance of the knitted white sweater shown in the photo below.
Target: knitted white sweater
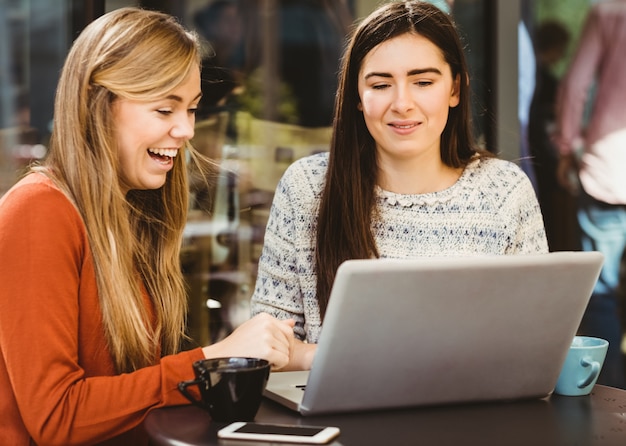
{"x": 491, "y": 209}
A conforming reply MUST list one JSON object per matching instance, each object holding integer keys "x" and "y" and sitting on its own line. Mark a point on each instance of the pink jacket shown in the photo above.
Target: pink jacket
{"x": 600, "y": 57}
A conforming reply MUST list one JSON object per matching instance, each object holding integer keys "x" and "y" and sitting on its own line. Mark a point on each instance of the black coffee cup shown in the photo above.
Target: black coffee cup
{"x": 231, "y": 389}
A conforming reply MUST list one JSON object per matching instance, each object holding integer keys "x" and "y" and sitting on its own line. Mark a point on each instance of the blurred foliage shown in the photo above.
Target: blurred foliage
{"x": 253, "y": 100}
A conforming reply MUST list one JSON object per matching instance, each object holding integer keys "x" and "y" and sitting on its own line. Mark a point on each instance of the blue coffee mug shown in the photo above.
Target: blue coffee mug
{"x": 582, "y": 366}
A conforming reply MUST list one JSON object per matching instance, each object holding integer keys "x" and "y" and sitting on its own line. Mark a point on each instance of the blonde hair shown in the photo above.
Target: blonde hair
{"x": 134, "y": 238}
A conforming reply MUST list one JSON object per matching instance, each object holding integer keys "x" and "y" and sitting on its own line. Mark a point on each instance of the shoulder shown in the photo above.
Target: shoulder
{"x": 606, "y": 19}
{"x": 497, "y": 171}
{"x": 610, "y": 8}
{"x": 36, "y": 216}
{"x": 501, "y": 182}
{"x": 314, "y": 164}
{"x": 35, "y": 188}
{"x": 307, "y": 173}
{"x": 36, "y": 201}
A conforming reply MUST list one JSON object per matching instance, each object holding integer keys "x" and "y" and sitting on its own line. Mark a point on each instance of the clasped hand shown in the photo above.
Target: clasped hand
{"x": 262, "y": 336}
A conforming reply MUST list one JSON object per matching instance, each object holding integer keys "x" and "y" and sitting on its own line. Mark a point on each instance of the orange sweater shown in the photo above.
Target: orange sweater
{"x": 57, "y": 380}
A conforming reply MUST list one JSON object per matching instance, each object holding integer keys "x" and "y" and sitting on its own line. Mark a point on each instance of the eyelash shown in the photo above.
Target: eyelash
{"x": 191, "y": 111}
{"x": 418, "y": 83}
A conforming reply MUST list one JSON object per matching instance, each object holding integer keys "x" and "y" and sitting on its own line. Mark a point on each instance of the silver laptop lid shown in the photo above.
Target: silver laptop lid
{"x": 448, "y": 330}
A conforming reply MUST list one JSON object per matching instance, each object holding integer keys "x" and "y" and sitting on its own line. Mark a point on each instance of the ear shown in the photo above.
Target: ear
{"x": 359, "y": 106}
{"x": 455, "y": 94}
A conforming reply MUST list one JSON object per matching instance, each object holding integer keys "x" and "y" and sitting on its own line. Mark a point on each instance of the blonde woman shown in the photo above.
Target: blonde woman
{"x": 92, "y": 302}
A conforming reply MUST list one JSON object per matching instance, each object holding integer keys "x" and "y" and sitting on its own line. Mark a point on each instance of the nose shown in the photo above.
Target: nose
{"x": 183, "y": 127}
{"x": 402, "y": 100}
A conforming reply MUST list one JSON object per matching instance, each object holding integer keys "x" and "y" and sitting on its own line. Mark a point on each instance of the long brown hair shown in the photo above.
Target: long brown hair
{"x": 345, "y": 214}
{"x": 134, "y": 238}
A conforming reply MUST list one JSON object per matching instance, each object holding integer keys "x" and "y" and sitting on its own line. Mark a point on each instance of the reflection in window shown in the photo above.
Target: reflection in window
{"x": 33, "y": 43}
{"x": 268, "y": 97}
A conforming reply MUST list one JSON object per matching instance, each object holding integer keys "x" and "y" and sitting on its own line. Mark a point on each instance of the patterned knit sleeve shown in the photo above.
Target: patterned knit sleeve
{"x": 525, "y": 219}
{"x": 282, "y": 274}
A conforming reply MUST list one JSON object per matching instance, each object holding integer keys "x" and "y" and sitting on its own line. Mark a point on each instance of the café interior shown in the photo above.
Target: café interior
{"x": 277, "y": 61}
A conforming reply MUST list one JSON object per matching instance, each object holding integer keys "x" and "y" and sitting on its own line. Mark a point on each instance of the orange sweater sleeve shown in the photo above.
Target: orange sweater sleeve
{"x": 57, "y": 380}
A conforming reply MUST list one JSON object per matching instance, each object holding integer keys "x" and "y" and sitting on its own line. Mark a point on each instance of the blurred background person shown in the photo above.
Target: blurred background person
{"x": 596, "y": 149}
{"x": 550, "y": 41}
{"x": 309, "y": 35}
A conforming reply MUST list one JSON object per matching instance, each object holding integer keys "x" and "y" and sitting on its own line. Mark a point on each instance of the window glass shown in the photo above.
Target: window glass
{"x": 269, "y": 92}
{"x": 32, "y": 47}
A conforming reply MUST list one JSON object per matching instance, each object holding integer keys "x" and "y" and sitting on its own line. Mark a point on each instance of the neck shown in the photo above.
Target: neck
{"x": 417, "y": 176}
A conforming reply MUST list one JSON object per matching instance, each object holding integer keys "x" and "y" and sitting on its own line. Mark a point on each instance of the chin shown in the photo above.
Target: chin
{"x": 150, "y": 185}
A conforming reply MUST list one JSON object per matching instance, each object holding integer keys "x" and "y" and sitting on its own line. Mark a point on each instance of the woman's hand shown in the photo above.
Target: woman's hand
{"x": 262, "y": 336}
{"x": 302, "y": 355}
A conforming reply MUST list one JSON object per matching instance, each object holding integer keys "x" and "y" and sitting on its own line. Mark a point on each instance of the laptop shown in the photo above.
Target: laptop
{"x": 434, "y": 331}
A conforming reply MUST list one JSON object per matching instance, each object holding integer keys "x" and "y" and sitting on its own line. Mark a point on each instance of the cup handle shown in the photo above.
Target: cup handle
{"x": 595, "y": 369}
{"x": 182, "y": 387}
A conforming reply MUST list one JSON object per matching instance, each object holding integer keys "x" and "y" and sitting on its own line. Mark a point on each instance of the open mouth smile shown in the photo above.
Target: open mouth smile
{"x": 163, "y": 156}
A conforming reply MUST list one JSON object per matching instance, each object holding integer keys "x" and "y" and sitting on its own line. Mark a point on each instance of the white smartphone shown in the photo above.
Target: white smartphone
{"x": 286, "y": 433}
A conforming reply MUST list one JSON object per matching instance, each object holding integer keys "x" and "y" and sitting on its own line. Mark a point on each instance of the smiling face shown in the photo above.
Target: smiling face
{"x": 406, "y": 89}
{"x": 151, "y": 134}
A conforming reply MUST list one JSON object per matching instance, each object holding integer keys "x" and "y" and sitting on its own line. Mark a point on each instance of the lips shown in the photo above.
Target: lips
{"x": 404, "y": 126}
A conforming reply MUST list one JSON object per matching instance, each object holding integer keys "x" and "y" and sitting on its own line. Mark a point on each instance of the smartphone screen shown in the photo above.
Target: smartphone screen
{"x": 279, "y": 432}
{"x": 307, "y": 431}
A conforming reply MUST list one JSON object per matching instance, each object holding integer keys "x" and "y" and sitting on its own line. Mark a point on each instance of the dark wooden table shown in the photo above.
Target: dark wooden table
{"x": 597, "y": 419}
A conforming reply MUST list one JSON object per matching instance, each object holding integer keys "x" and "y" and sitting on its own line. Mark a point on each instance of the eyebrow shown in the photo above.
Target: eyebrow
{"x": 410, "y": 73}
{"x": 177, "y": 98}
